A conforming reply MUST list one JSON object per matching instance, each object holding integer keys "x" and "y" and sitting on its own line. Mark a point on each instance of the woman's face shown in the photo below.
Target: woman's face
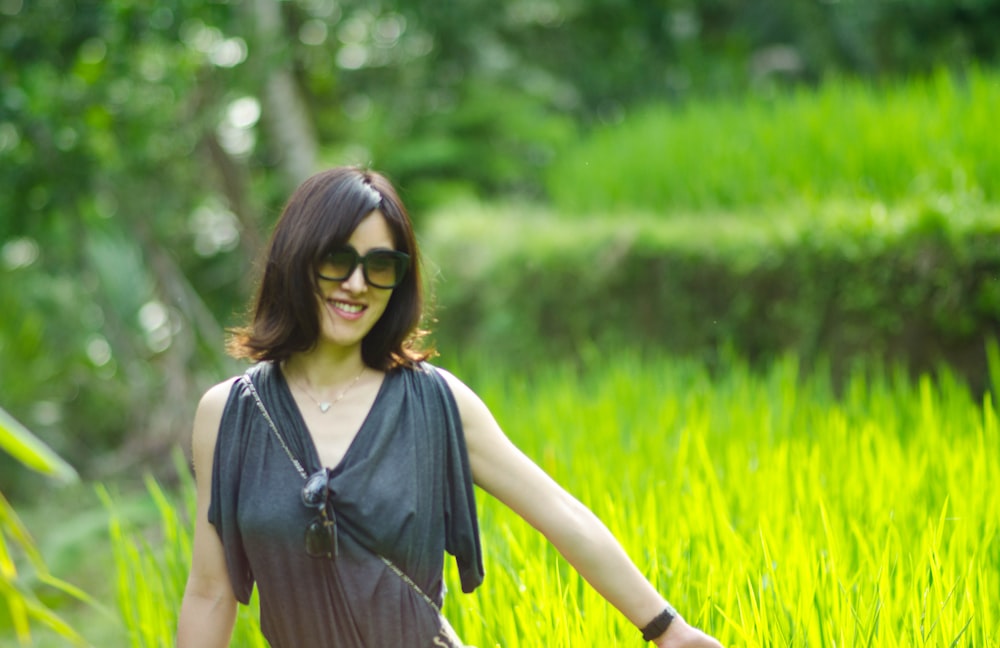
{"x": 349, "y": 308}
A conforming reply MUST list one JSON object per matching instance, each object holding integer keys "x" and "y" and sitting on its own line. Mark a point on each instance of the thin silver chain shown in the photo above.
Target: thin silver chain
{"x": 274, "y": 428}
{"x": 406, "y": 579}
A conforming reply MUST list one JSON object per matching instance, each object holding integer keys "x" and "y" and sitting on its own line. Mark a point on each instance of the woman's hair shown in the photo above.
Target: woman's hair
{"x": 320, "y": 215}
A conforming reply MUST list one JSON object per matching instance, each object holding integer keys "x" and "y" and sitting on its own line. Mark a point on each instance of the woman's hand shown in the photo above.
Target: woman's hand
{"x": 682, "y": 635}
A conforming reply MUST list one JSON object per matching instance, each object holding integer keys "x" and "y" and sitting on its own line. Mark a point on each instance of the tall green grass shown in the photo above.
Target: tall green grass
{"x": 844, "y": 140}
{"x": 20, "y": 605}
{"x": 151, "y": 569}
{"x": 770, "y": 510}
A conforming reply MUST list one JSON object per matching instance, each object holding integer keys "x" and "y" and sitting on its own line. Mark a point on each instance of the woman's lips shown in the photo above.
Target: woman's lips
{"x": 347, "y": 310}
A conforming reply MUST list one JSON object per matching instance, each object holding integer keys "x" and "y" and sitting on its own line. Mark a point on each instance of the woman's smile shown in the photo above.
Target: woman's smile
{"x": 347, "y": 310}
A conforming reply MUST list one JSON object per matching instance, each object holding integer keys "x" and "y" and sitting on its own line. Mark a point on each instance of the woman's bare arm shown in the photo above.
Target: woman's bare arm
{"x": 208, "y": 610}
{"x": 502, "y": 470}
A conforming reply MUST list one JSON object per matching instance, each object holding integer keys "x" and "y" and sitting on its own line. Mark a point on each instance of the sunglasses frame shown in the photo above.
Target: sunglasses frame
{"x": 401, "y": 259}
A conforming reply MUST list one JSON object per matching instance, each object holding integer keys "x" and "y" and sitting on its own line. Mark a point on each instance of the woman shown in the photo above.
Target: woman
{"x": 339, "y": 469}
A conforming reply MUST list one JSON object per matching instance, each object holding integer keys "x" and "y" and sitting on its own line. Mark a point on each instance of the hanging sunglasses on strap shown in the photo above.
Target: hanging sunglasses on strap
{"x": 321, "y": 534}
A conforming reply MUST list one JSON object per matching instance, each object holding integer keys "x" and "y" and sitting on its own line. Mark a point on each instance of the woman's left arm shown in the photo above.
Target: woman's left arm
{"x": 501, "y": 469}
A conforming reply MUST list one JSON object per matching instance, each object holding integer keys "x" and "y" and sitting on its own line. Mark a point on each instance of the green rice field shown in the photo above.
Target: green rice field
{"x": 770, "y": 508}
{"x": 845, "y": 139}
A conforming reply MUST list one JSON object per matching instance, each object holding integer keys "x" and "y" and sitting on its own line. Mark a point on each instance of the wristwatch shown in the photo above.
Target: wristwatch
{"x": 659, "y": 625}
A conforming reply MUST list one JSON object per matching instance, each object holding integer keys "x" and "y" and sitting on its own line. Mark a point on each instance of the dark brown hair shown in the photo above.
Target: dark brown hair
{"x": 321, "y": 214}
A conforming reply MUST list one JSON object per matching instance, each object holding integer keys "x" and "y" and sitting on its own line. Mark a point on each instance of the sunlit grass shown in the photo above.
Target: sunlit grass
{"x": 844, "y": 140}
{"x": 151, "y": 573}
{"x": 770, "y": 510}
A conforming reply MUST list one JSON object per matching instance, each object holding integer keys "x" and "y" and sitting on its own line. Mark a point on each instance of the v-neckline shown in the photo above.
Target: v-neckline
{"x": 303, "y": 430}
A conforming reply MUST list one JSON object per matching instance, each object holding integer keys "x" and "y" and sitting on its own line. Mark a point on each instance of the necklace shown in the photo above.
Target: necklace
{"x": 324, "y": 406}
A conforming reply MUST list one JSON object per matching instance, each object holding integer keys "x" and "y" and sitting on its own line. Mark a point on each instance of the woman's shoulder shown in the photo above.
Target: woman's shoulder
{"x": 463, "y": 396}
{"x": 213, "y": 402}
{"x": 432, "y": 373}
{"x": 218, "y": 394}
{"x": 207, "y": 419}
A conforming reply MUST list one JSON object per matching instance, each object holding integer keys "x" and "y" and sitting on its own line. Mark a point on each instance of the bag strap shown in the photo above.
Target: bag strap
{"x": 274, "y": 428}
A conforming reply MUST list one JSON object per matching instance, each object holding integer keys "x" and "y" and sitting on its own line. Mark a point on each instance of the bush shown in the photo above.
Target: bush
{"x": 917, "y": 284}
{"x": 845, "y": 140}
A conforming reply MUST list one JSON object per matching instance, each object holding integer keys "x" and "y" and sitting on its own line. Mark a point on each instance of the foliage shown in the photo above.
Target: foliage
{"x": 768, "y": 509}
{"x": 145, "y": 147}
{"x": 915, "y": 284}
{"x": 679, "y": 48}
{"x": 104, "y": 105}
{"x": 17, "y": 589}
{"x": 846, "y": 139}
{"x": 17, "y": 441}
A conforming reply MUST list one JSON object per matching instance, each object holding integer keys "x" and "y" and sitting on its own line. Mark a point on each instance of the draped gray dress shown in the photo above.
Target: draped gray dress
{"x": 403, "y": 491}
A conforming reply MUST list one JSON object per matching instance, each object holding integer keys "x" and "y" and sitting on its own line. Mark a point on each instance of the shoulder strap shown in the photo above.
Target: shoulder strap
{"x": 274, "y": 428}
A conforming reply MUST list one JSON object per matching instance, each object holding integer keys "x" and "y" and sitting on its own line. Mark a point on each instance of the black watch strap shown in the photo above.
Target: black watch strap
{"x": 659, "y": 625}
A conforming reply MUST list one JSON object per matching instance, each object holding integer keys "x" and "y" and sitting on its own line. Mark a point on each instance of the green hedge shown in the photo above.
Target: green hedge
{"x": 916, "y": 284}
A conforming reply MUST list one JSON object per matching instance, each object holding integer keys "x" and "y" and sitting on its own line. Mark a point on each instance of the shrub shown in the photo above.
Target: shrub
{"x": 918, "y": 284}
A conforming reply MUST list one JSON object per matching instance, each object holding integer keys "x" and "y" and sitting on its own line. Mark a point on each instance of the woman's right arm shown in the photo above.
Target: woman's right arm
{"x": 208, "y": 610}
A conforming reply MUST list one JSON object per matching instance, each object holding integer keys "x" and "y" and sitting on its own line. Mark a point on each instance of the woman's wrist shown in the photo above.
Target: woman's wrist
{"x": 659, "y": 625}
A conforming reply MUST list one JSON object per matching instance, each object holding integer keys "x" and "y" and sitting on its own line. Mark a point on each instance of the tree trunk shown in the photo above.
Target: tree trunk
{"x": 284, "y": 110}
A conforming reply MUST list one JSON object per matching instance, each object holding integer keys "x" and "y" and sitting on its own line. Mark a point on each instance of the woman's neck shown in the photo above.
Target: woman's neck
{"x": 321, "y": 369}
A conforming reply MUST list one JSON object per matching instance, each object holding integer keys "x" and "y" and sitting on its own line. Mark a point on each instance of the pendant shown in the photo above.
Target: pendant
{"x": 323, "y": 407}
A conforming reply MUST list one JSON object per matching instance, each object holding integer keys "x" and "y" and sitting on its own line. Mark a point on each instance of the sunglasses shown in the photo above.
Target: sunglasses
{"x": 321, "y": 533}
{"x": 382, "y": 268}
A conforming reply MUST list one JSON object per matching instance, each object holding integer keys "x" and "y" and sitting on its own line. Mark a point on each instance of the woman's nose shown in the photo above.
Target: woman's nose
{"x": 355, "y": 282}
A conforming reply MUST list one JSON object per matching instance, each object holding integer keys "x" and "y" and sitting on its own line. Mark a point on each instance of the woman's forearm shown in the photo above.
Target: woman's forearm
{"x": 593, "y": 551}
{"x": 206, "y": 621}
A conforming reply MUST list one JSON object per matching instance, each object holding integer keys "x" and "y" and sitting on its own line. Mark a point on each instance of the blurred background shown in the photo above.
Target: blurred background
{"x": 817, "y": 177}
{"x": 701, "y": 179}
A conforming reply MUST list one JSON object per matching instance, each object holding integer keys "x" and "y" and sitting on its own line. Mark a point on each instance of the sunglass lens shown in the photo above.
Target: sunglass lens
{"x": 315, "y": 491}
{"x": 338, "y": 265}
{"x": 321, "y": 538}
{"x": 384, "y": 269}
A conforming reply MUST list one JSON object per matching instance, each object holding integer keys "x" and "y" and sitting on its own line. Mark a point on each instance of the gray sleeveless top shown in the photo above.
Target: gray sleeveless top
{"x": 403, "y": 491}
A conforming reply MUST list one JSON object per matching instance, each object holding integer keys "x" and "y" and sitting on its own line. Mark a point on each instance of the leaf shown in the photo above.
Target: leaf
{"x": 31, "y": 451}
{"x": 25, "y": 605}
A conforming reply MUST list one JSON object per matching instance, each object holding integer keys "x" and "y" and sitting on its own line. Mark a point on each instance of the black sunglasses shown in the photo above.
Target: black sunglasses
{"x": 321, "y": 533}
{"x": 382, "y": 268}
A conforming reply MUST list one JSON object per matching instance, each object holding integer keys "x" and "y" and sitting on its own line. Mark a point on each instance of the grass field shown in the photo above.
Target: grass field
{"x": 845, "y": 139}
{"x": 770, "y": 510}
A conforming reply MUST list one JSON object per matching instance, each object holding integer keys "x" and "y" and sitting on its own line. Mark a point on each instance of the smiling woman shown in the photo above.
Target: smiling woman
{"x": 322, "y": 218}
{"x": 336, "y": 473}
